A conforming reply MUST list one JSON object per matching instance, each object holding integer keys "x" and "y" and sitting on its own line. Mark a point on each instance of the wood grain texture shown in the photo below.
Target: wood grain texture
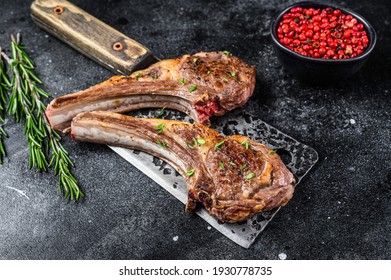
{"x": 90, "y": 36}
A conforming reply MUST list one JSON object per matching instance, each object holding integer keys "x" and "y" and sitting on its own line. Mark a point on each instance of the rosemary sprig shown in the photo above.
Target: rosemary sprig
{"x": 67, "y": 183}
{"x": 26, "y": 104}
{"x": 4, "y": 86}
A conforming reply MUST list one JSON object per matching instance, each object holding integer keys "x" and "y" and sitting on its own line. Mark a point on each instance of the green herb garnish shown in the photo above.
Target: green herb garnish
{"x": 196, "y": 142}
{"x": 227, "y": 53}
{"x": 233, "y": 73}
{"x": 25, "y": 104}
{"x": 162, "y": 143}
{"x": 208, "y": 72}
{"x": 154, "y": 77}
{"x": 221, "y": 165}
{"x": 195, "y": 60}
{"x": 272, "y": 152}
{"x": 244, "y": 166}
{"x": 245, "y": 144}
{"x": 250, "y": 176}
{"x": 189, "y": 145}
{"x": 190, "y": 172}
{"x": 160, "y": 112}
{"x": 218, "y": 145}
{"x": 182, "y": 81}
{"x": 160, "y": 127}
{"x": 192, "y": 88}
{"x": 232, "y": 163}
{"x": 225, "y": 79}
{"x": 138, "y": 75}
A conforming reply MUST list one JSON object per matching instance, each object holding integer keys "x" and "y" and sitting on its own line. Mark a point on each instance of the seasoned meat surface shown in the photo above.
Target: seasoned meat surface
{"x": 201, "y": 85}
{"x": 233, "y": 177}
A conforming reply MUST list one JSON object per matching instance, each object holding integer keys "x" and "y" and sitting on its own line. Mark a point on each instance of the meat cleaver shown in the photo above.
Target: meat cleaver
{"x": 122, "y": 55}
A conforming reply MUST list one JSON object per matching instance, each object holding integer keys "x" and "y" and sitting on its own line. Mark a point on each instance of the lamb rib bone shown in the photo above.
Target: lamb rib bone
{"x": 233, "y": 177}
{"x": 201, "y": 85}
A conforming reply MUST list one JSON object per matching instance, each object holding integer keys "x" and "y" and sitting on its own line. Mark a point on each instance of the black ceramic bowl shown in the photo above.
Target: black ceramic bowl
{"x": 317, "y": 70}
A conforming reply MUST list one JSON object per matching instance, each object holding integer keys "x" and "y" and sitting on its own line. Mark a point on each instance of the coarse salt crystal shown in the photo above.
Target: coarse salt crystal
{"x": 282, "y": 256}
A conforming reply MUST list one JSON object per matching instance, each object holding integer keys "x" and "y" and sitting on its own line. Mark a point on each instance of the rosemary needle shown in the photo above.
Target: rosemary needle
{"x": 4, "y": 86}
{"x": 25, "y": 103}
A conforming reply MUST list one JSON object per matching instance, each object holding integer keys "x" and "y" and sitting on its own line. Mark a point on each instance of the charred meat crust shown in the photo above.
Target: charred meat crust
{"x": 234, "y": 177}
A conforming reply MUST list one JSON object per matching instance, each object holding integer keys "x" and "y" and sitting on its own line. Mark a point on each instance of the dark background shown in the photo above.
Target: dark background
{"x": 340, "y": 211}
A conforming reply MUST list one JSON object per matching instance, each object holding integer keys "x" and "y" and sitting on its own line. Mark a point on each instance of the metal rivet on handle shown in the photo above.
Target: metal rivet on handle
{"x": 58, "y": 10}
{"x": 118, "y": 46}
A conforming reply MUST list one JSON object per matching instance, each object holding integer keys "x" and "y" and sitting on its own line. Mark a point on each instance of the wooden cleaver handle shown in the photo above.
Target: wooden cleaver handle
{"x": 90, "y": 36}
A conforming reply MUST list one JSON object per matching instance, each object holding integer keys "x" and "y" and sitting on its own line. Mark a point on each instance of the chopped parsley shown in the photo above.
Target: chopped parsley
{"x": 232, "y": 163}
{"x": 192, "y": 88}
{"x": 160, "y": 127}
{"x": 250, "y": 176}
{"x": 218, "y": 145}
{"x": 195, "y": 60}
{"x": 225, "y": 79}
{"x": 189, "y": 145}
{"x": 272, "y": 152}
{"x": 227, "y": 53}
{"x": 154, "y": 77}
{"x": 196, "y": 142}
{"x": 162, "y": 143}
{"x": 221, "y": 165}
{"x": 245, "y": 144}
{"x": 233, "y": 73}
{"x": 208, "y": 72}
{"x": 182, "y": 81}
{"x": 190, "y": 172}
{"x": 138, "y": 75}
{"x": 244, "y": 166}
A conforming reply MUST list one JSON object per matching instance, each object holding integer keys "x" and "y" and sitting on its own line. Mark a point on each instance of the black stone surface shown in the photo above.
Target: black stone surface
{"x": 341, "y": 210}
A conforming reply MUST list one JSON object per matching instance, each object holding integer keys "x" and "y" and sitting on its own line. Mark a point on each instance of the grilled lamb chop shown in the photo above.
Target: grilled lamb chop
{"x": 200, "y": 85}
{"x": 233, "y": 177}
